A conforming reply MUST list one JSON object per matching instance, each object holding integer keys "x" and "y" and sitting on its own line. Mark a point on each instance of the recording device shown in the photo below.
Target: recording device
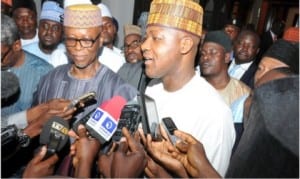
{"x": 82, "y": 99}
{"x": 82, "y": 121}
{"x": 169, "y": 126}
{"x": 104, "y": 121}
{"x": 130, "y": 118}
{"x": 55, "y": 135}
{"x": 12, "y": 139}
{"x": 150, "y": 119}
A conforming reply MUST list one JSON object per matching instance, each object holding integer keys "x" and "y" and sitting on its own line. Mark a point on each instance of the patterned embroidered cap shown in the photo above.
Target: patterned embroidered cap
{"x": 82, "y": 16}
{"x": 52, "y": 11}
{"x": 184, "y": 15}
{"x": 132, "y": 29}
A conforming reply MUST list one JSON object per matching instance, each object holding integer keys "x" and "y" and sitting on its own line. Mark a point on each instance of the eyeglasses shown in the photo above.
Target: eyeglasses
{"x": 133, "y": 45}
{"x": 85, "y": 43}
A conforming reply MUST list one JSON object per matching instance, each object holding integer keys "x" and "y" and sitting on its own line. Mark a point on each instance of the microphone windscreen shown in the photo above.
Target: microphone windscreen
{"x": 9, "y": 84}
{"x": 55, "y": 131}
{"x": 114, "y": 106}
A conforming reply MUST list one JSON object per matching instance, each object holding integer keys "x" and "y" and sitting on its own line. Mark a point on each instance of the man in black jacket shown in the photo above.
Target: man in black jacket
{"x": 245, "y": 62}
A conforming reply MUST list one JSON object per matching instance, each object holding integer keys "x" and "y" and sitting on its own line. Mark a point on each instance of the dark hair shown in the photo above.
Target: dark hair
{"x": 29, "y": 4}
{"x": 96, "y": 2}
{"x": 252, "y": 33}
{"x": 278, "y": 27}
{"x": 116, "y": 23}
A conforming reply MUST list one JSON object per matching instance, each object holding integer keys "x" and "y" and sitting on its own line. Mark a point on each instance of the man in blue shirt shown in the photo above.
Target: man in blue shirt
{"x": 27, "y": 67}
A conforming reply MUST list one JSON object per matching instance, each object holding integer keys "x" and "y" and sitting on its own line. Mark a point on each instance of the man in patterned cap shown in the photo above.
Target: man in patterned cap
{"x": 82, "y": 28}
{"x": 133, "y": 71}
{"x": 107, "y": 56}
{"x": 172, "y": 37}
{"x": 50, "y": 33}
{"x": 132, "y": 42}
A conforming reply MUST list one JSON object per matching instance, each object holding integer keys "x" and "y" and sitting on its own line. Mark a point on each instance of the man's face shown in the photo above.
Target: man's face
{"x": 161, "y": 51}
{"x": 266, "y": 64}
{"x": 109, "y": 30}
{"x": 245, "y": 48}
{"x": 212, "y": 60}
{"x": 75, "y": 39}
{"x": 50, "y": 34}
{"x": 232, "y": 31}
{"x": 132, "y": 48}
{"x": 26, "y": 22}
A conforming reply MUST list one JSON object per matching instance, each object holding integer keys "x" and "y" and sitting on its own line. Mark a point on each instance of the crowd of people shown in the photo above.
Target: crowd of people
{"x": 233, "y": 98}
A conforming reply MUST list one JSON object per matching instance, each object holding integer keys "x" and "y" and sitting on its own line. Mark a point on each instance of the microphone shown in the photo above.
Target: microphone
{"x": 104, "y": 121}
{"x": 55, "y": 135}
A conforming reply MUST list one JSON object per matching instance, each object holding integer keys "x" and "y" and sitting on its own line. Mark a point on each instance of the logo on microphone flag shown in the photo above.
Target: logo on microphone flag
{"x": 103, "y": 123}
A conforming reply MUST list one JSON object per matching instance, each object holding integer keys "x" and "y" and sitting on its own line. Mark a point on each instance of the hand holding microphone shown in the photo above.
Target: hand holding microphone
{"x": 54, "y": 135}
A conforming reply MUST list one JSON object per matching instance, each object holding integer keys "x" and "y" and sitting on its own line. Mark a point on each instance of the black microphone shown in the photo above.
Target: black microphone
{"x": 55, "y": 135}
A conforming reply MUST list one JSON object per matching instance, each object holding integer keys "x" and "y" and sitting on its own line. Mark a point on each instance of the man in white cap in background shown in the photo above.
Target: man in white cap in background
{"x": 132, "y": 43}
{"x": 109, "y": 33}
{"x": 133, "y": 70}
{"x": 50, "y": 33}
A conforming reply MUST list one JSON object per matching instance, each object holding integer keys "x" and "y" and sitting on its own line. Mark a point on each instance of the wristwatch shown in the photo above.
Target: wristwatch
{"x": 24, "y": 139}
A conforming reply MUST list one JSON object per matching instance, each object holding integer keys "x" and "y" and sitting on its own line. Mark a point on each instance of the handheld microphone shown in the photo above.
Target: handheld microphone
{"x": 55, "y": 135}
{"x": 104, "y": 121}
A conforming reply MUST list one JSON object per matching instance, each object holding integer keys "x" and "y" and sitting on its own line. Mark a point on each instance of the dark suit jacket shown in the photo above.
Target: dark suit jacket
{"x": 248, "y": 76}
{"x": 265, "y": 43}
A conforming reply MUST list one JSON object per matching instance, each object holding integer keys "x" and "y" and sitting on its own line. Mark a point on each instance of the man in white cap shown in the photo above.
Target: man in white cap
{"x": 50, "y": 32}
{"x": 109, "y": 33}
{"x": 133, "y": 70}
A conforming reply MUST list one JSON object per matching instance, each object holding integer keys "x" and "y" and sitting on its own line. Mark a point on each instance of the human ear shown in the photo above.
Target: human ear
{"x": 100, "y": 39}
{"x": 227, "y": 57}
{"x": 186, "y": 44}
{"x": 17, "y": 46}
